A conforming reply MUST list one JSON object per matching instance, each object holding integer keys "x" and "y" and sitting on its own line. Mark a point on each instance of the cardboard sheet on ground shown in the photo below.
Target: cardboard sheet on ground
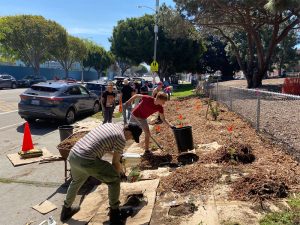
{"x": 94, "y": 208}
{"x": 45, "y": 207}
{"x": 16, "y": 160}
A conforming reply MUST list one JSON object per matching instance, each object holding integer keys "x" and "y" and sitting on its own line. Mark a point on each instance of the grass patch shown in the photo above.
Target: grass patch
{"x": 99, "y": 116}
{"x": 183, "y": 90}
{"x": 290, "y": 217}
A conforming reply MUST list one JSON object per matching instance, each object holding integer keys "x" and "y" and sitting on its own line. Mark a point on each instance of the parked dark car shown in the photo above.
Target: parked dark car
{"x": 58, "y": 101}
{"x": 98, "y": 88}
{"x": 29, "y": 80}
{"x": 7, "y": 81}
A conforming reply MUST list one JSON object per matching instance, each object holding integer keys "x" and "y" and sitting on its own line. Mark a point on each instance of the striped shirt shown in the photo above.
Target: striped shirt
{"x": 102, "y": 139}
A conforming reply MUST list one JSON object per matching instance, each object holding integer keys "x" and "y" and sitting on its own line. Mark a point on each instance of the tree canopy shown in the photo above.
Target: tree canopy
{"x": 233, "y": 19}
{"x": 31, "y": 38}
{"x": 133, "y": 39}
{"x": 75, "y": 50}
{"x": 97, "y": 57}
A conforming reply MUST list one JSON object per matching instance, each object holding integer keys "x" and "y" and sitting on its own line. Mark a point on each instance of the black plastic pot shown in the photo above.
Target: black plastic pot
{"x": 184, "y": 138}
{"x": 65, "y": 131}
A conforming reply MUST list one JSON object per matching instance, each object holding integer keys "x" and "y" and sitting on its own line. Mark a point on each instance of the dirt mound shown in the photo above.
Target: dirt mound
{"x": 189, "y": 178}
{"x": 237, "y": 152}
{"x": 153, "y": 161}
{"x": 259, "y": 186}
{"x": 183, "y": 209}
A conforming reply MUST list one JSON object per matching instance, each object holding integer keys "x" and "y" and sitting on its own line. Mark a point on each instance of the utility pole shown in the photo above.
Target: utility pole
{"x": 156, "y": 29}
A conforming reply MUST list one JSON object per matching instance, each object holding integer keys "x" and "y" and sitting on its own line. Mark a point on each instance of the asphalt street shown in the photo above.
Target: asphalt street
{"x": 25, "y": 186}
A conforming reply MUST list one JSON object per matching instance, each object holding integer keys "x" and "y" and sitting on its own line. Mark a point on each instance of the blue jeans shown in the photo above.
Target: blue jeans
{"x": 126, "y": 110}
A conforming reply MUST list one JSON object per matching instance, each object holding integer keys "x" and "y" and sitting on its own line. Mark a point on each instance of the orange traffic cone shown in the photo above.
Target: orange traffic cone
{"x": 27, "y": 140}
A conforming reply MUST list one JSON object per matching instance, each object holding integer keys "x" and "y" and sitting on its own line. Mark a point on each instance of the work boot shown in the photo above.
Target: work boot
{"x": 119, "y": 216}
{"x": 67, "y": 213}
{"x": 115, "y": 217}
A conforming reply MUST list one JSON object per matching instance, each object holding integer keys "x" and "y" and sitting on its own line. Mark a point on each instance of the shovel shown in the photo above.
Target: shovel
{"x": 152, "y": 138}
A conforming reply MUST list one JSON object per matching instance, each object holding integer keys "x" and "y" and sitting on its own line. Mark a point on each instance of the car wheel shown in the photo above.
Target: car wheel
{"x": 70, "y": 116}
{"x": 96, "y": 107}
{"x": 13, "y": 86}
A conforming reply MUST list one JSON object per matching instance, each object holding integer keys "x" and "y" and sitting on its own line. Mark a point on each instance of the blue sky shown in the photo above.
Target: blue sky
{"x": 91, "y": 19}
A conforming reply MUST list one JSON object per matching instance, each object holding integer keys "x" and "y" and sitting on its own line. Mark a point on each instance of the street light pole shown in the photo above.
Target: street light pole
{"x": 155, "y": 29}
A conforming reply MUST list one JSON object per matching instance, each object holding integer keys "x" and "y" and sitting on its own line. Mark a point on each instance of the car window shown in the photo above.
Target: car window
{"x": 74, "y": 91}
{"x": 94, "y": 87}
{"x": 44, "y": 89}
{"x": 28, "y": 77}
{"x": 83, "y": 90}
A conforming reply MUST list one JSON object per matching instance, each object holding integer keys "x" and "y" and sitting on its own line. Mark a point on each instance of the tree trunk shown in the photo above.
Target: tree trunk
{"x": 99, "y": 74}
{"x": 67, "y": 73}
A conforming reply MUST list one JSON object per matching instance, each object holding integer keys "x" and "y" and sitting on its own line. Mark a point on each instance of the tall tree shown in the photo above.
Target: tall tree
{"x": 74, "y": 51}
{"x": 286, "y": 53}
{"x": 134, "y": 39}
{"x": 216, "y": 58}
{"x": 228, "y": 18}
{"x": 97, "y": 57}
{"x": 32, "y": 38}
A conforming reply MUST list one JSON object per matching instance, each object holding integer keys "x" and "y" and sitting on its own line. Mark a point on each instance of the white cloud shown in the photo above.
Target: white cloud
{"x": 92, "y": 31}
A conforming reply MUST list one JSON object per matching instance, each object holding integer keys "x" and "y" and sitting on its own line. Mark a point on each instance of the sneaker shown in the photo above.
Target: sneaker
{"x": 67, "y": 213}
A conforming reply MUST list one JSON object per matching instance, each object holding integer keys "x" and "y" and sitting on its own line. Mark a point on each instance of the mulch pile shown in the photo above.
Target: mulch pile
{"x": 153, "y": 161}
{"x": 259, "y": 186}
{"x": 69, "y": 142}
{"x": 242, "y": 149}
{"x": 192, "y": 177}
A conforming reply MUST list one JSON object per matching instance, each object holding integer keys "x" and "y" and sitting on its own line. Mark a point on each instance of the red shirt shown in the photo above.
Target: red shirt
{"x": 146, "y": 108}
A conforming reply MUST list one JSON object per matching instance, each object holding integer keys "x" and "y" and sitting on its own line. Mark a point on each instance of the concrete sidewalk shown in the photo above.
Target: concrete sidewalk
{"x": 25, "y": 186}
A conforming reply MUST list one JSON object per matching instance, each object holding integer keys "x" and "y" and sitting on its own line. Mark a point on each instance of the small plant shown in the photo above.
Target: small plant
{"x": 289, "y": 217}
{"x": 213, "y": 109}
{"x": 134, "y": 174}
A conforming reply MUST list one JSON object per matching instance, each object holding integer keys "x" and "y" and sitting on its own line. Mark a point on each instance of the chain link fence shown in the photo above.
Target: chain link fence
{"x": 276, "y": 114}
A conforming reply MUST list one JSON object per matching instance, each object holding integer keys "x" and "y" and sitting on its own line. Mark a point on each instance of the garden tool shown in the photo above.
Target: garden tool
{"x": 152, "y": 138}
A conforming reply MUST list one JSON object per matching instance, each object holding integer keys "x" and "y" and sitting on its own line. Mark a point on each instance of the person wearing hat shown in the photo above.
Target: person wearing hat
{"x": 158, "y": 88}
{"x": 108, "y": 102}
{"x": 85, "y": 160}
{"x": 126, "y": 93}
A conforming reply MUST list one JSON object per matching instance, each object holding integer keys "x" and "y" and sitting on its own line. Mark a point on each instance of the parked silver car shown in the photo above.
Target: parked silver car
{"x": 7, "y": 81}
{"x": 57, "y": 100}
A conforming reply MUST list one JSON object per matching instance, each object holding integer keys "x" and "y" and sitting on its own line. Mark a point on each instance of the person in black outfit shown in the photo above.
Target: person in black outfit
{"x": 108, "y": 103}
{"x": 145, "y": 88}
{"x": 126, "y": 93}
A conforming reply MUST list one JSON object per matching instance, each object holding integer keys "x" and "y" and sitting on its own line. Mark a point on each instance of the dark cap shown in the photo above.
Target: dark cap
{"x": 136, "y": 131}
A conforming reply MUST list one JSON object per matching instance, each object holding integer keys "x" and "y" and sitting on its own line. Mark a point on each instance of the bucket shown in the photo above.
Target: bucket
{"x": 184, "y": 138}
{"x": 131, "y": 159}
{"x": 65, "y": 131}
